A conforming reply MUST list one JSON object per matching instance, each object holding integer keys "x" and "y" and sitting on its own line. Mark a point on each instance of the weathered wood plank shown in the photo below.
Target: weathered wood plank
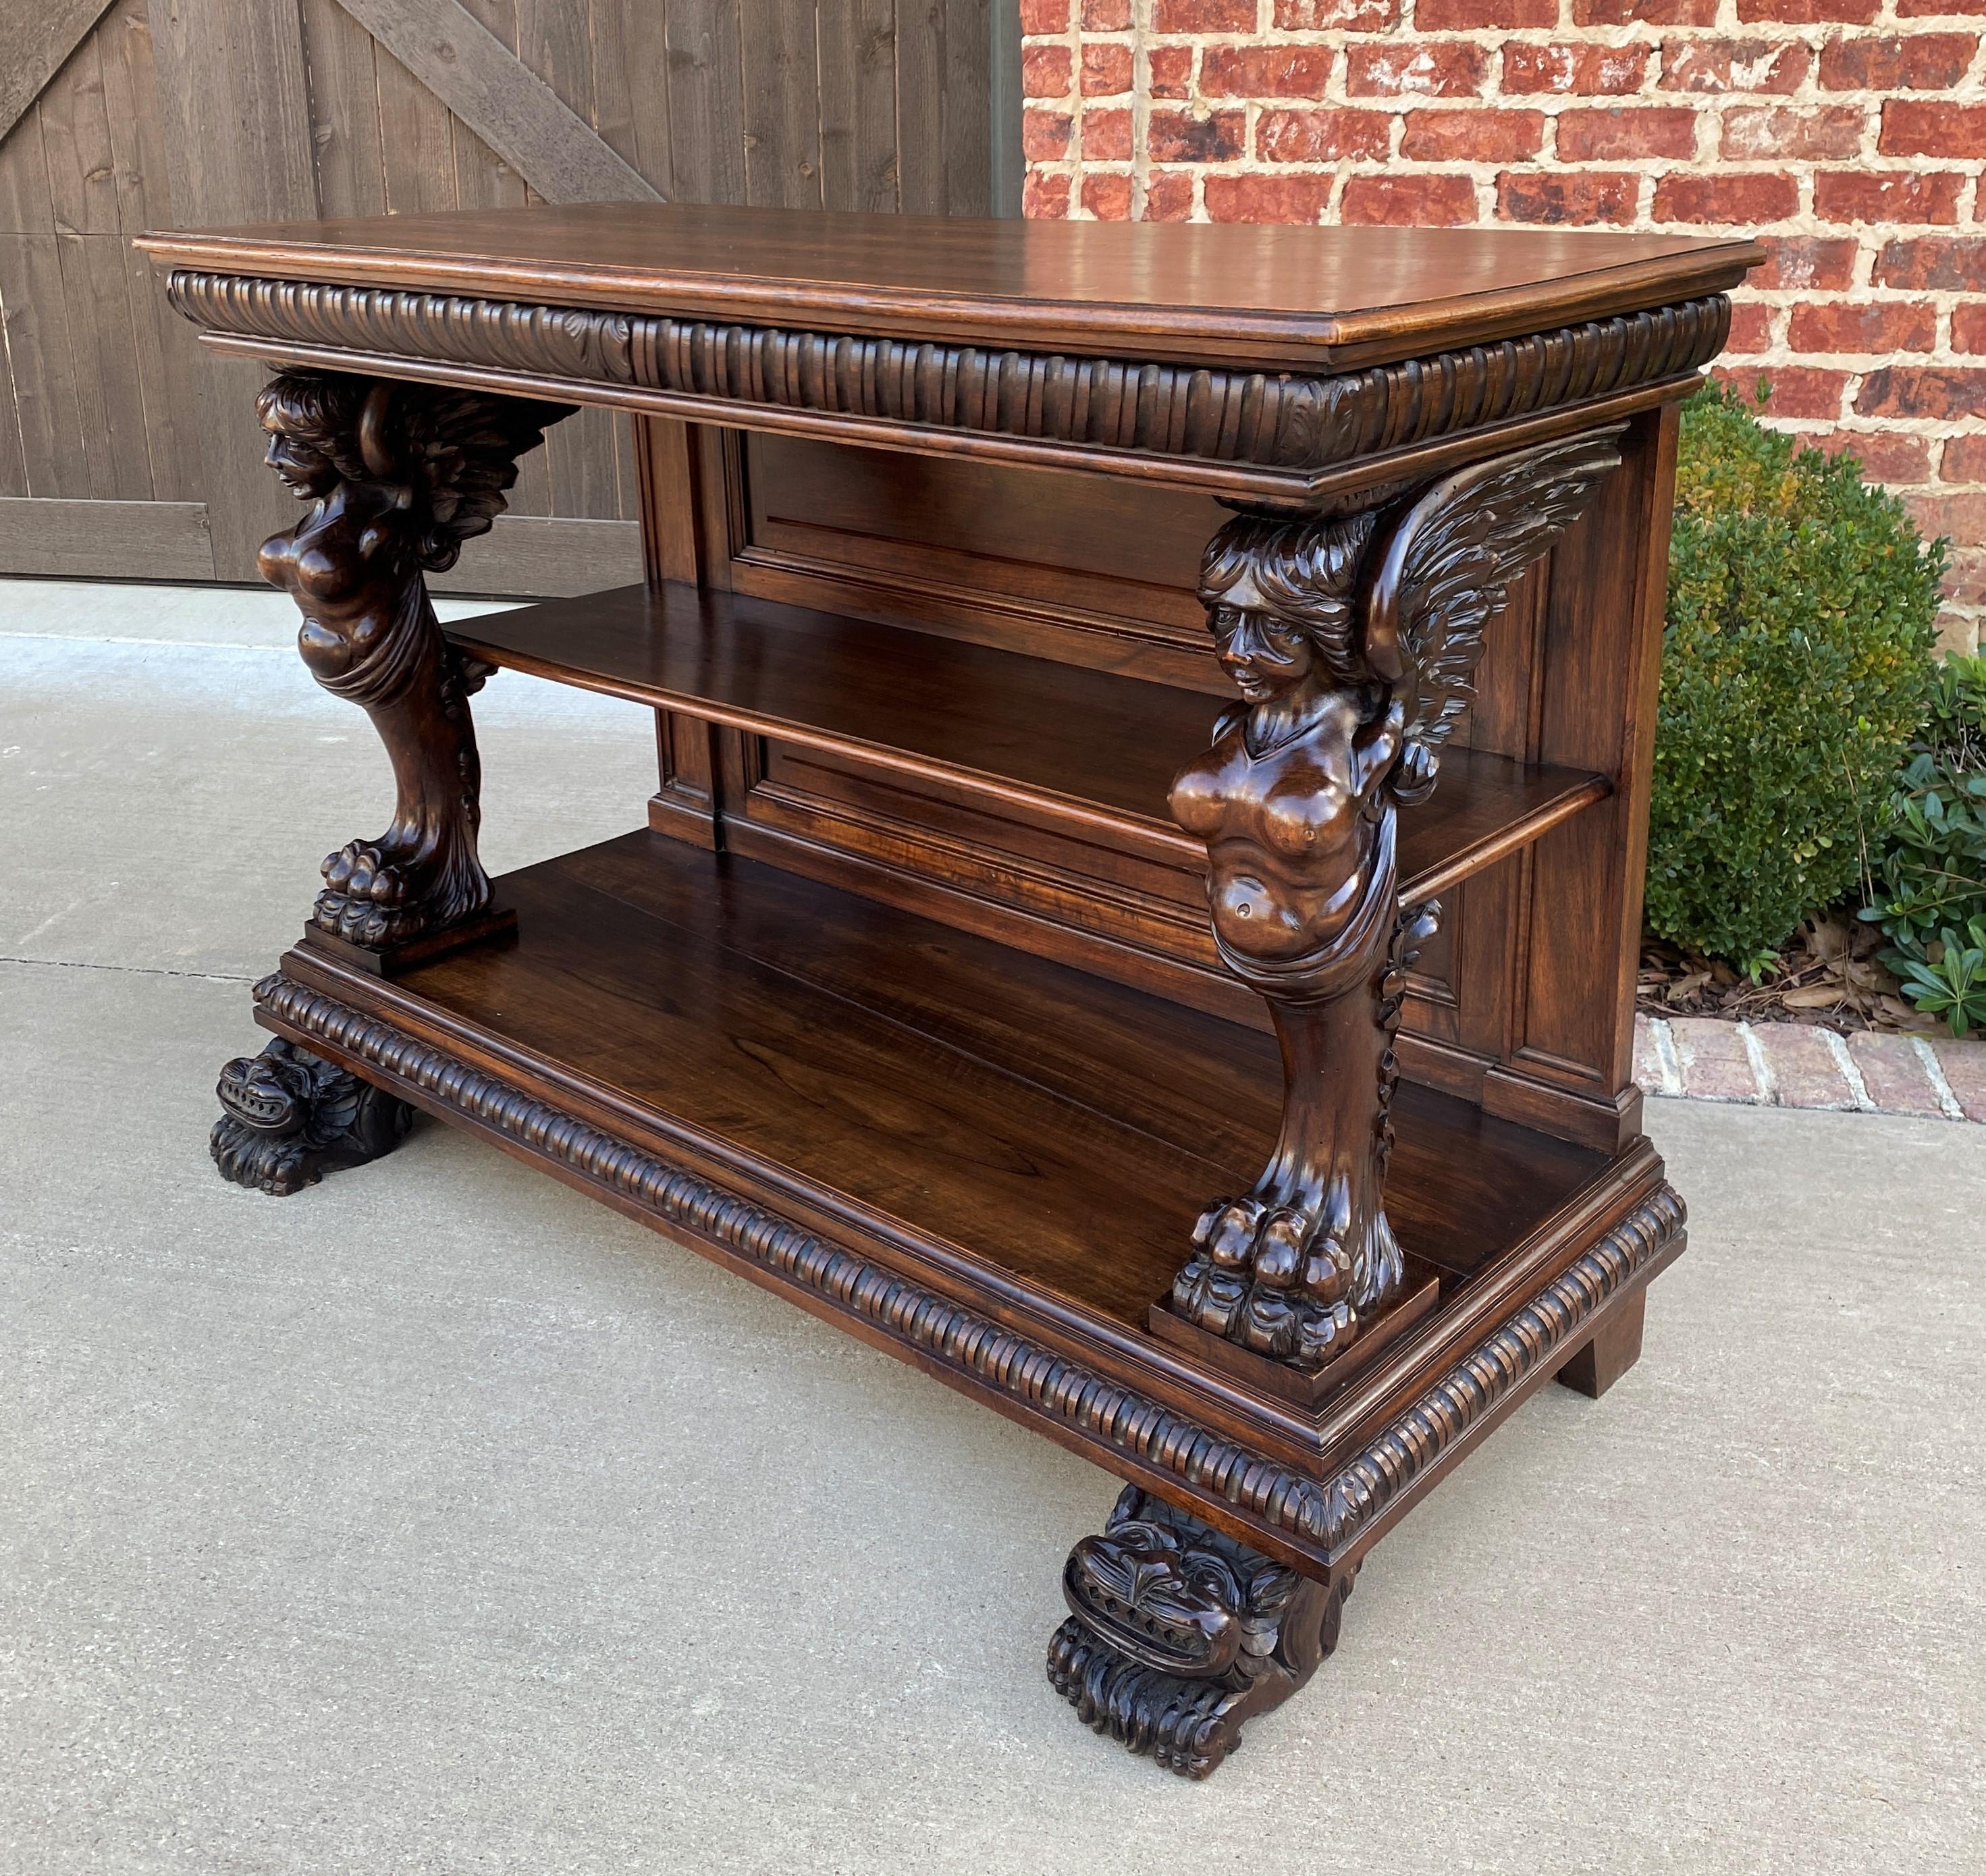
{"x": 483, "y": 178}
{"x": 418, "y": 154}
{"x": 781, "y": 110}
{"x": 345, "y": 112}
{"x": 167, "y": 364}
{"x": 238, "y": 63}
{"x": 75, "y": 142}
{"x": 106, "y": 540}
{"x": 706, "y": 101}
{"x": 42, "y": 360}
{"x": 858, "y": 105}
{"x": 506, "y": 103}
{"x": 921, "y": 80}
{"x": 537, "y": 556}
{"x": 36, "y": 40}
{"x": 967, "y": 91}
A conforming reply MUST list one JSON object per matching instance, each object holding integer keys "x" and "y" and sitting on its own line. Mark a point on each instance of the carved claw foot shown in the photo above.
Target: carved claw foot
{"x": 1178, "y": 1635}
{"x": 290, "y": 1116}
{"x": 1279, "y": 1279}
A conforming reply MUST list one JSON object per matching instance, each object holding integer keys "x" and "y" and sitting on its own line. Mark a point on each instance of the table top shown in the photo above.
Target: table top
{"x": 1224, "y": 293}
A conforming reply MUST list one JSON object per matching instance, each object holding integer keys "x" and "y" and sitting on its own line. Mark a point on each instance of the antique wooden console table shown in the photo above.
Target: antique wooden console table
{"x": 906, "y": 1003}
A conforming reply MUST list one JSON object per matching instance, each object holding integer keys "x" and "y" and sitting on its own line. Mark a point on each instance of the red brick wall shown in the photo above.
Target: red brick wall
{"x": 1848, "y": 135}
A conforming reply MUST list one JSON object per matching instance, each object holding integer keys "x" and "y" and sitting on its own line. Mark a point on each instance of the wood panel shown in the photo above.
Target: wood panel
{"x": 109, "y": 112}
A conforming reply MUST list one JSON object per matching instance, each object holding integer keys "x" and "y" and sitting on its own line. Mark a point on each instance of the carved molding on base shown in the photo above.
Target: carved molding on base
{"x": 1319, "y": 1515}
{"x": 1178, "y": 1635}
{"x": 292, "y": 1116}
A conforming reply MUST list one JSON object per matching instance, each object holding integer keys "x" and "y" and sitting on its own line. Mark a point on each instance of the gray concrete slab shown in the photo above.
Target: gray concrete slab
{"x": 440, "y": 1520}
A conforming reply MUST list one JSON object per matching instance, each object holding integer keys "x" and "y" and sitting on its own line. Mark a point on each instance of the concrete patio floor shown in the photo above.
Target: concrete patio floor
{"x": 440, "y": 1520}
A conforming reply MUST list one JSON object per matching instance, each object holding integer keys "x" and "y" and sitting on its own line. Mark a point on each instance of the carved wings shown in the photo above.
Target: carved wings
{"x": 1443, "y": 568}
{"x": 457, "y": 448}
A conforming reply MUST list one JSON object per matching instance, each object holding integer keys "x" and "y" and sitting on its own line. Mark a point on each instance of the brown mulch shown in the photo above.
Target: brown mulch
{"x": 1828, "y": 974}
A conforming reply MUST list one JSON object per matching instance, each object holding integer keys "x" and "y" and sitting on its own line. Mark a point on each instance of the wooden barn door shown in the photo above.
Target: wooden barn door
{"x": 125, "y": 451}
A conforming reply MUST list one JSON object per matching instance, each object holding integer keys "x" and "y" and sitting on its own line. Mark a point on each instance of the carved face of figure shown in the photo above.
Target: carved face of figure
{"x": 305, "y": 470}
{"x": 1183, "y": 1607}
{"x": 1264, "y": 653}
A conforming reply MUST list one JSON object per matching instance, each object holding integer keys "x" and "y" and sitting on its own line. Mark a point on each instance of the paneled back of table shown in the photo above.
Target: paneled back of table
{"x": 1523, "y": 1001}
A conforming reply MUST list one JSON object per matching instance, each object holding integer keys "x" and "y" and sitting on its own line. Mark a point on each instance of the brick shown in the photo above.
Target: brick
{"x": 1178, "y": 137}
{"x": 1801, "y": 1067}
{"x": 1265, "y": 71}
{"x": 1800, "y": 390}
{"x": 1960, "y": 518}
{"x": 1922, "y": 127}
{"x": 1644, "y": 12}
{"x": 1322, "y": 136}
{"x": 1106, "y": 69}
{"x": 1908, "y": 61}
{"x": 1863, "y": 326}
{"x": 1616, "y": 136}
{"x": 1106, "y": 15}
{"x": 1567, "y": 199}
{"x": 1739, "y": 201}
{"x": 1965, "y": 584}
{"x": 1045, "y": 15}
{"x": 1755, "y": 131}
{"x": 1943, "y": 393}
{"x": 1885, "y": 455}
{"x": 1964, "y": 460}
{"x": 1948, "y": 263}
{"x": 1893, "y": 1073}
{"x": 1869, "y": 195}
{"x": 1108, "y": 197}
{"x": 1203, "y": 15}
{"x": 1267, "y": 198}
{"x": 1968, "y": 328}
{"x": 1809, "y": 12}
{"x": 1419, "y": 68}
{"x": 1106, "y": 136}
{"x": 1472, "y": 135}
{"x": 1919, "y": 9}
{"x": 1045, "y": 135}
{"x": 1045, "y": 70}
{"x": 1044, "y": 198}
{"x": 1802, "y": 262}
{"x": 1337, "y": 16}
{"x": 1479, "y": 16}
{"x": 1751, "y": 328}
{"x": 1576, "y": 71}
{"x": 1714, "y": 1064}
{"x": 1963, "y": 1061}
{"x": 1170, "y": 70}
{"x": 1770, "y": 67}
{"x": 1409, "y": 201}
{"x": 1169, "y": 196}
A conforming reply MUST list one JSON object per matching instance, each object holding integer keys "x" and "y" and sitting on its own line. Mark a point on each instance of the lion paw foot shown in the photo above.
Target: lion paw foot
{"x": 1272, "y": 1277}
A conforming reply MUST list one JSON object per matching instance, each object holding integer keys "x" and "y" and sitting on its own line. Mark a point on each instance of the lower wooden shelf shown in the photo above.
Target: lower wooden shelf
{"x": 987, "y": 1161}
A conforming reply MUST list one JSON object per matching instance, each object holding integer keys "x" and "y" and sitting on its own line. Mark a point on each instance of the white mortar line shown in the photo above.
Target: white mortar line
{"x": 1940, "y": 1087}
{"x": 1762, "y": 1069}
{"x": 1857, "y": 1087}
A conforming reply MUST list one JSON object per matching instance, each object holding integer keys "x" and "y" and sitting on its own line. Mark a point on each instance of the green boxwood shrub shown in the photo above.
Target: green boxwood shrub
{"x": 1796, "y": 660}
{"x": 1927, "y": 884}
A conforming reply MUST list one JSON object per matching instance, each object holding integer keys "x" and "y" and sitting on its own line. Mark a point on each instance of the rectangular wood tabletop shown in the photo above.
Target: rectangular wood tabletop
{"x": 1225, "y": 293}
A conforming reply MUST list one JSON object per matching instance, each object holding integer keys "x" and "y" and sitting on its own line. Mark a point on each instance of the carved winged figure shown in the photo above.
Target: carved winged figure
{"x": 397, "y": 476}
{"x": 1353, "y": 642}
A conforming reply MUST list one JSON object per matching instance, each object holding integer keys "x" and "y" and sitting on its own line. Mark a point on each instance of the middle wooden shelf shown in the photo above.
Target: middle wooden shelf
{"x": 1092, "y": 748}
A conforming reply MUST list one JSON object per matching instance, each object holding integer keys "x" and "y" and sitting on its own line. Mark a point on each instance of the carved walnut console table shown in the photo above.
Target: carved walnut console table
{"x": 906, "y": 1003}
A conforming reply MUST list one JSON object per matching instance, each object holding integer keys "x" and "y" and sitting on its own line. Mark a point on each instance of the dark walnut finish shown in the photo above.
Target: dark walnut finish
{"x": 908, "y": 1005}
{"x": 397, "y": 478}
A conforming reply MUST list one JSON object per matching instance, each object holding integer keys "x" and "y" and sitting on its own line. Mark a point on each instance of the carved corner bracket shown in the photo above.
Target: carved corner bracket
{"x": 397, "y": 476}
{"x": 1353, "y": 641}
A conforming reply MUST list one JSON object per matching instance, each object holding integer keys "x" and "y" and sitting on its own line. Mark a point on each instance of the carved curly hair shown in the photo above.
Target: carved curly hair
{"x": 1307, "y": 570}
{"x": 454, "y": 451}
